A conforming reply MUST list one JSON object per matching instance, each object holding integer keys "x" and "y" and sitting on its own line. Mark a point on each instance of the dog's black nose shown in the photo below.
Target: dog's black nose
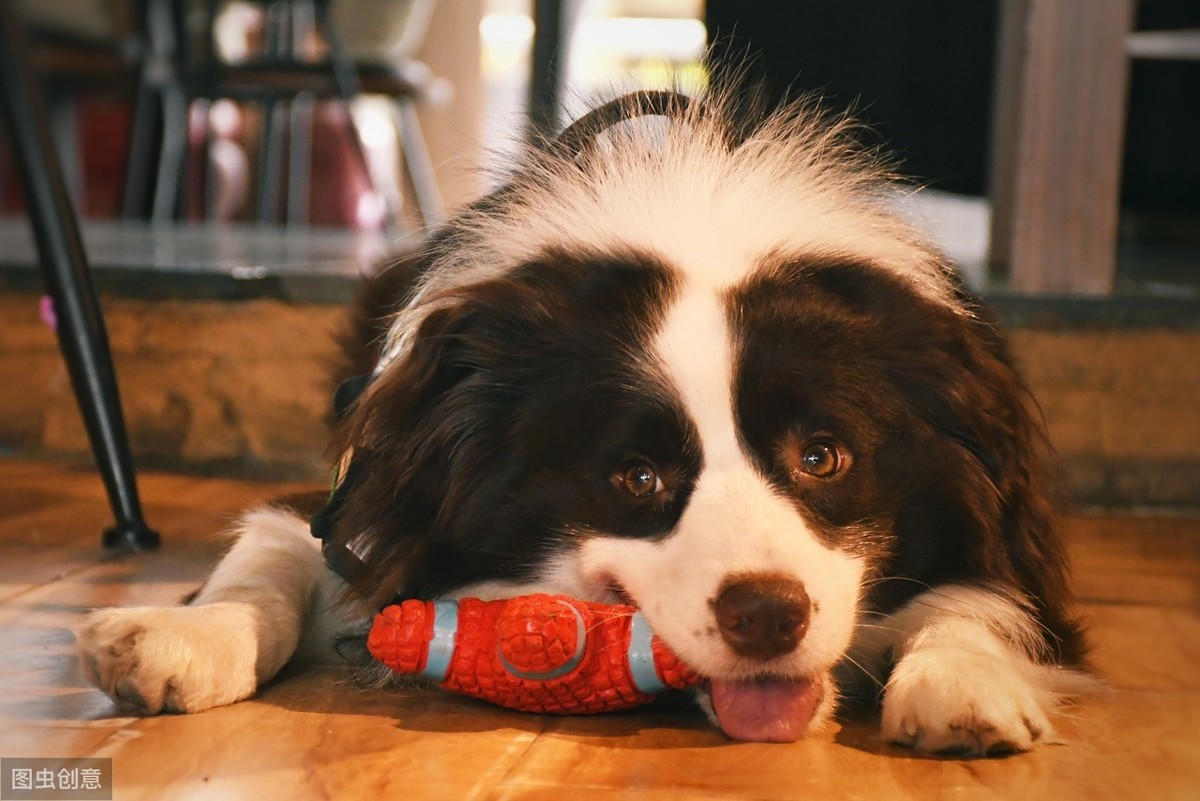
{"x": 763, "y": 616}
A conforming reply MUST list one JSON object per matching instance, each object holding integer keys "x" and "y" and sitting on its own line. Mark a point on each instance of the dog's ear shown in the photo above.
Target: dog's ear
{"x": 990, "y": 490}
{"x": 397, "y": 438}
{"x": 378, "y": 297}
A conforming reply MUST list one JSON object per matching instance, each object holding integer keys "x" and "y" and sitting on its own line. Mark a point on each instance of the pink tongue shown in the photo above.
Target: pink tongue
{"x": 766, "y": 710}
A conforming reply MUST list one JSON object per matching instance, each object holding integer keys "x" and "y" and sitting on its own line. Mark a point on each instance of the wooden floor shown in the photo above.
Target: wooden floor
{"x": 316, "y": 735}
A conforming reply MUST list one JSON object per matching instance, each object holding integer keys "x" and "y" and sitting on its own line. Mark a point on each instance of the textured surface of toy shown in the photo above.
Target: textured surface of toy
{"x": 535, "y": 653}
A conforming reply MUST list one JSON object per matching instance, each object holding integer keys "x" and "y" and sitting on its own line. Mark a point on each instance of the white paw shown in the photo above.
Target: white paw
{"x": 169, "y": 659}
{"x": 948, "y": 700}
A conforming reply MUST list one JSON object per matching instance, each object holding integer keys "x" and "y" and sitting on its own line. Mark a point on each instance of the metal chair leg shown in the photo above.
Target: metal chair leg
{"x": 168, "y": 182}
{"x": 417, "y": 164}
{"x": 299, "y": 178}
{"x": 81, "y": 331}
{"x": 270, "y": 159}
{"x": 141, "y": 139}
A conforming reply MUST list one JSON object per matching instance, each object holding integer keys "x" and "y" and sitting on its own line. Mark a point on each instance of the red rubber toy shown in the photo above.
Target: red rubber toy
{"x": 534, "y": 653}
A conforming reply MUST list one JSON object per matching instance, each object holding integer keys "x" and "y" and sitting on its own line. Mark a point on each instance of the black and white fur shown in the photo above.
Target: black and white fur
{"x": 707, "y": 297}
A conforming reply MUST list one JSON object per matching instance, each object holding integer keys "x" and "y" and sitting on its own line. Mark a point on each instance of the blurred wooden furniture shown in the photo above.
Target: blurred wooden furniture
{"x": 285, "y": 80}
{"x": 1059, "y": 120}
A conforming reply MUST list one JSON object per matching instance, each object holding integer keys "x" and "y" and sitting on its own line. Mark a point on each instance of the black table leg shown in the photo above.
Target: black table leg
{"x": 81, "y": 333}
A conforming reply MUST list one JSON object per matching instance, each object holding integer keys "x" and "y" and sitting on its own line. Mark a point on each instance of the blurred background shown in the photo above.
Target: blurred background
{"x": 237, "y": 165}
{"x": 225, "y": 101}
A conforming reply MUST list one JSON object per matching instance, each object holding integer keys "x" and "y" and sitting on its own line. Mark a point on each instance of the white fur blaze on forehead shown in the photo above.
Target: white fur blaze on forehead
{"x": 695, "y": 352}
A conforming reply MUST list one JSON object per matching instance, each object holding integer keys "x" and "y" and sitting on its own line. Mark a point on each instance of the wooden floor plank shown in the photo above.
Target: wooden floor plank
{"x": 1147, "y": 586}
{"x": 52, "y": 571}
{"x": 58, "y": 532}
{"x": 1154, "y": 543}
{"x": 46, "y": 706}
{"x": 316, "y": 734}
{"x": 611, "y": 756}
{"x": 1132, "y": 745}
{"x": 310, "y": 736}
{"x": 1145, "y": 647}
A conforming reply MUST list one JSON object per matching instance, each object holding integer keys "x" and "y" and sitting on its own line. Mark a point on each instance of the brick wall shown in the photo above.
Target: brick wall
{"x": 205, "y": 384}
{"x": 242, "y": 387}
{"x": 1123, "y": 410}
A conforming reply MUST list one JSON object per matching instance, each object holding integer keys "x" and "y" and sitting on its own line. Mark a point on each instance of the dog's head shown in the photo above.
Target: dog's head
{"x": 716, "y": 375}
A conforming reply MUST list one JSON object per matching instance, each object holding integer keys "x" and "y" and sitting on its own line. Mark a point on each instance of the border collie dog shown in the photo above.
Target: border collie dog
{"x": 693, "y": 359}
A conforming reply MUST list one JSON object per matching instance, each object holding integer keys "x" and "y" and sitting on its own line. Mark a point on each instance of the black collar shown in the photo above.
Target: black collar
{"x": 340, "y": 558}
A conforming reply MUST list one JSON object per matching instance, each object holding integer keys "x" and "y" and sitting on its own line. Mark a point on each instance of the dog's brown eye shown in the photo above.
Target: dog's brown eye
{"x": 639, "y": 480}
{"x": 820, "y": 459}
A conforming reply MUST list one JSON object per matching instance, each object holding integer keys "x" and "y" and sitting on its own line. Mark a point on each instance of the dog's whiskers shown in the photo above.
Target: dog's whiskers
{"x": 878, "y": 682}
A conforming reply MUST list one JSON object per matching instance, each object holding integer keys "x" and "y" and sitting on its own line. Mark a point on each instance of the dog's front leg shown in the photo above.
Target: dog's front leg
{"x": 966, "y": 678}
{"x": 240, "y": 629}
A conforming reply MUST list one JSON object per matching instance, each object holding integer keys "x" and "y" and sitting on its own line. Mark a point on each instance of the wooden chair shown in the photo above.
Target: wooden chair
{"x": 284, "y": 81}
